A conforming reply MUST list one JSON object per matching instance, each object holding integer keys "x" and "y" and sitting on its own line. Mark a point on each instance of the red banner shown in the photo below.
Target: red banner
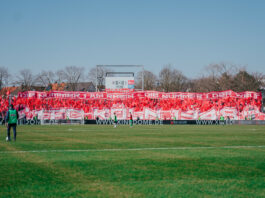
{"x": 138, "y": 94}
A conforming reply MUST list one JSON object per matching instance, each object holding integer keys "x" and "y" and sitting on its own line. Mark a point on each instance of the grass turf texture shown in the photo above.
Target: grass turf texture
{"x": 200, "y": 172}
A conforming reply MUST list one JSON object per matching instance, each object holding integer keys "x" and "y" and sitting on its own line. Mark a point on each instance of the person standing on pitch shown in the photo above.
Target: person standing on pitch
{"x": 11, "y": 121}
{"x": 131, "y": 120}
{"x": 115, "y": 120}
{"x": 222, "y": 120}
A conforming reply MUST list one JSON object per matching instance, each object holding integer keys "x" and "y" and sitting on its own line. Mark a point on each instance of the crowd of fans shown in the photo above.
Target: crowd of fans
{"x": 137, "y": 103}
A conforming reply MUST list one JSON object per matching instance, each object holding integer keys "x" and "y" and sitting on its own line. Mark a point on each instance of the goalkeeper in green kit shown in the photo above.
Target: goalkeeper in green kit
{"x": 11, "y": 121}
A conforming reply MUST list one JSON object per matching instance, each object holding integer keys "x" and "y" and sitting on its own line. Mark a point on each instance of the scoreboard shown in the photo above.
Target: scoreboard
{"x": 119, "y": 83}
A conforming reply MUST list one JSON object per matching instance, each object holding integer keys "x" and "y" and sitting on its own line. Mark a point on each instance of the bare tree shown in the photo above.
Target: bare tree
{"x": 172, "y": 80}
{"x": 216, "y": 77}
{"x": 4, "y": 75}
{"x": 222, "y": 76}
{"x": 72, "y": 75}
{"x": 59, "y": 76}
{"x": 225, "y": 82}
{"x": 98, "y": 75}
{"x": 246, "y": 82}
{"x": 25, "y": 79}
{"x": 46, "y": 78}
{"x": 260, "y": 78}
{"x": 150, "y": 80}
{"x": 217, "y": 69}
{"x": 202, "y": 84}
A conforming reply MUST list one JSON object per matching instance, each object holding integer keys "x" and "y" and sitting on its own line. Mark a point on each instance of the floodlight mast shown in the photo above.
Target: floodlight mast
{"x": 141, "y": 66}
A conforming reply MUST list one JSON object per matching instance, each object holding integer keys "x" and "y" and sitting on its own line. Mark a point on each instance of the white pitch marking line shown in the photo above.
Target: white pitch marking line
{"x": 132, "y": 149}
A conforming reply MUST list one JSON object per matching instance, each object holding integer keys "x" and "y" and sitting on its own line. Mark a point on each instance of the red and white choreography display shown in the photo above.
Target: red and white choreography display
{"x": 148, "y": 105}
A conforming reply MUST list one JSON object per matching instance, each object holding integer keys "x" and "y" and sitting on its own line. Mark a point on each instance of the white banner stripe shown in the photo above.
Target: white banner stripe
{"x": 132, "y": 149}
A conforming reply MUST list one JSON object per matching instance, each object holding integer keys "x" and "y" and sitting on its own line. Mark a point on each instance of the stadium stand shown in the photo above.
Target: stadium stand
{"x": 143, "y": 105}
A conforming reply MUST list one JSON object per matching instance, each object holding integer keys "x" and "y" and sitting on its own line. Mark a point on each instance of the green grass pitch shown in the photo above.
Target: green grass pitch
{"x": 143, "y": 161}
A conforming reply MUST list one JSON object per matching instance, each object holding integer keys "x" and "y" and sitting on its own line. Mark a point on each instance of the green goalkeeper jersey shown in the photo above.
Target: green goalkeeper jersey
{"x": 12, "y": 116}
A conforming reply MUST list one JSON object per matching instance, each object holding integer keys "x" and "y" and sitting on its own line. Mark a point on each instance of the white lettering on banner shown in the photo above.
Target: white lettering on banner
{"x": 23, "y": 95}
{"x": 248, "y": 95}
{"x": 199, "y": 96}
{"x": 115, "y": 96}
{"x": 214, "y": 95}
{"x": 123, "y": 114}
{"x": 229, "y": 111}
{"x": 165, "y": 115}
{"x": 179, "y": 95}
{"x": 96, "y": 96}
{"x": 41, "y": 95}
{"x": 192, "y": 95}
{"x": 240, "y": 95}
{"x": 119, "y": 96}
{"x": 31, "y": 94}
{"x": 101, "y": 114}
{"x": 165, "y": 96}
{"x": 208, "y": 115}
{"x": 176, "y": 114}
{"x": 147, "y": 94}
{"x": 185, "y": 95}
{"x": 224, "y": 94}
{"x": 130, "y": 96}
{"x": 186, "y": 115}
{"x": 57, "y": 114}
{"x": 152, "y": 94}
{"x": 150, "y": 114}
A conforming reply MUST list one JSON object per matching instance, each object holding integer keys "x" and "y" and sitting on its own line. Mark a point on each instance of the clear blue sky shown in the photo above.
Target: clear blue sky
{"x": 52, "y": 34}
